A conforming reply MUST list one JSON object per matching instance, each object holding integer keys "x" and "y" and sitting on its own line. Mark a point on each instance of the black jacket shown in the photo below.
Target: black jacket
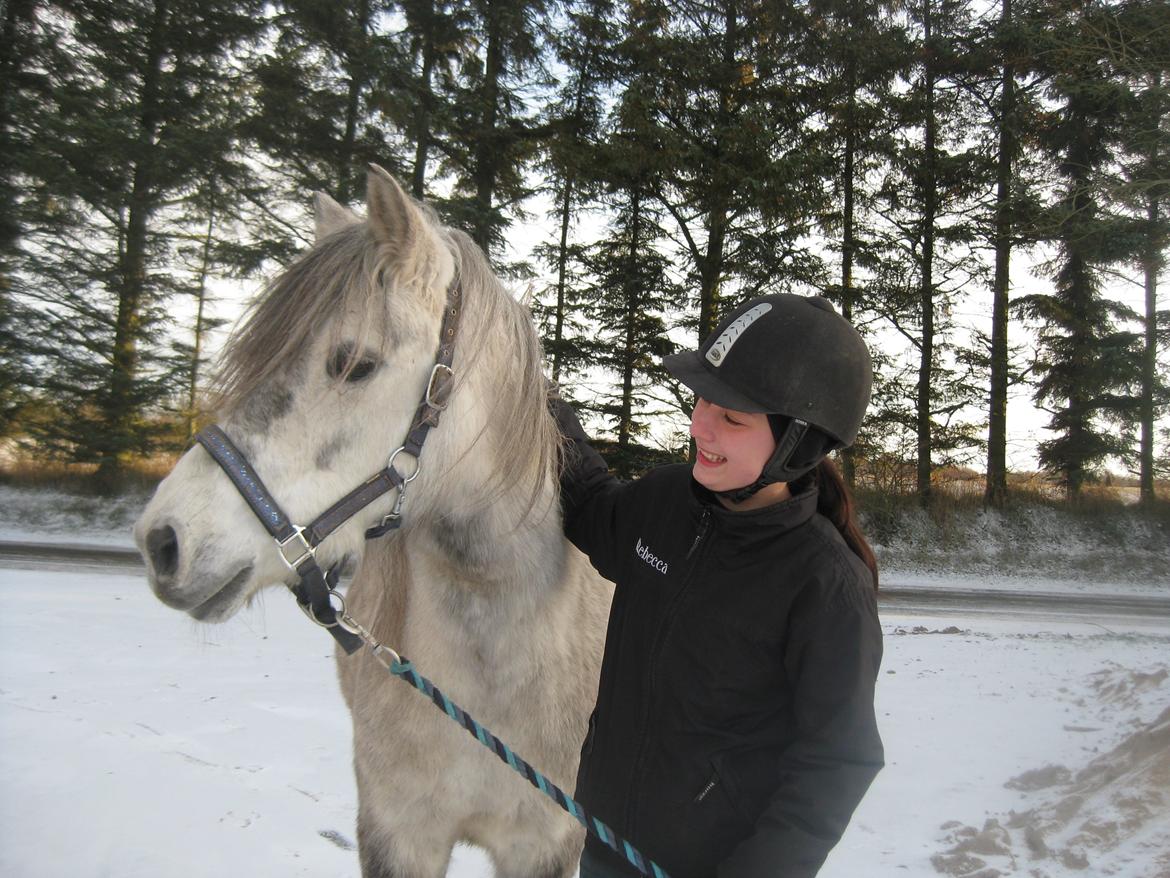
{"x": 734, "y": 732}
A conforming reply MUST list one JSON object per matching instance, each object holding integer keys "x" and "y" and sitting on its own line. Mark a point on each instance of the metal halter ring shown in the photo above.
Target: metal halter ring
{"x": 417, "y": 466}
{"x": 338, "y": 611}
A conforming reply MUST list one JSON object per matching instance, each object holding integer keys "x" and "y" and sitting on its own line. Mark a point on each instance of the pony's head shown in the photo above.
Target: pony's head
{"x": 320, "y": 385}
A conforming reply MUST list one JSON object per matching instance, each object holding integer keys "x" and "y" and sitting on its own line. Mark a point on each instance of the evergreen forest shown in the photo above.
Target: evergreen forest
{"x": 970, "y": 183}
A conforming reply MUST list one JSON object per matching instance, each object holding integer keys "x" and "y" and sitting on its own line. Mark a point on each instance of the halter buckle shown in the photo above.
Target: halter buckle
{"x": 289, "y": 545}
{"x": 436, "y": 390}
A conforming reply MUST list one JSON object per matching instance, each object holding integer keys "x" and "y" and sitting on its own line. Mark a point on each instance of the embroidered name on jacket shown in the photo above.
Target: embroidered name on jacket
{"x": 650, "y": 558}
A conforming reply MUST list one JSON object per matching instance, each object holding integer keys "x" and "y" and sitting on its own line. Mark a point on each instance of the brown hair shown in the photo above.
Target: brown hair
{"x": 835, "y": 502}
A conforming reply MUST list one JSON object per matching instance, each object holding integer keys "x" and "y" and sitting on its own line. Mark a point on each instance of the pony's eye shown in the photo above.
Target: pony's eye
{"x": 343, "y": 364}
{"x": 361, "y": 370}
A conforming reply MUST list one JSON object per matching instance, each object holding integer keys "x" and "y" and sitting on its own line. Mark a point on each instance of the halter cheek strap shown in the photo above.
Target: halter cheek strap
{"x": 297, "y": 545}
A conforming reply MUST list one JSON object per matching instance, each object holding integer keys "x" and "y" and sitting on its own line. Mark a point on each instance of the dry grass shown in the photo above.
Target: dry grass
{"x": 81, "y": 478}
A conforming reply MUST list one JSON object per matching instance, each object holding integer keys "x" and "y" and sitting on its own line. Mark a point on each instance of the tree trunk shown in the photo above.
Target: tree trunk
{"x": 120, "y": 406}
{"x": 487, "y": 148}
{"x": 630, "y": 354}
{"x": 566, "y": 223}
{"x": 996, "y": 489}
{"x": 422, "y": 116}
{"x": 1152, "y": 265}
{"x": 711, "y": 269}
{"x": 562, "y": 271}
{"x": 346, "y": 188}
{"x": 848, "y": 461}
{"x": 1153, "y": 260}
{"x": 197, "y": 345}
{"x": 926, "y": 291}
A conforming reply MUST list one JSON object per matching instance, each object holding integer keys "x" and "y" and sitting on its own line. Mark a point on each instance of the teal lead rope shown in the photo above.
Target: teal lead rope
{"x": 403, "y": 669}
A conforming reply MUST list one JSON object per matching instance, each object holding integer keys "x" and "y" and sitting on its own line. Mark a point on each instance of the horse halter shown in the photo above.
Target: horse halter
{"x": 297, "y": 545}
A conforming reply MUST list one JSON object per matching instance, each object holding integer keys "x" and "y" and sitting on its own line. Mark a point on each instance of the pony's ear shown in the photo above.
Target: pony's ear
{"x": 394, "y": 218}
{"x": 329, "y": 215}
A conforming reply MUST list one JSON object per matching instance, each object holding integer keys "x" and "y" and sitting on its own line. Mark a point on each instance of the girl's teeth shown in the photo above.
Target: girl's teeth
{"x": 714, "y": 458}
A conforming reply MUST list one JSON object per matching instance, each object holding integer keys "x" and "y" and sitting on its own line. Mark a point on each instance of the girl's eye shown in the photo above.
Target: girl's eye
{"x": 732, "y": 420}
{"x": 343, "y": 364}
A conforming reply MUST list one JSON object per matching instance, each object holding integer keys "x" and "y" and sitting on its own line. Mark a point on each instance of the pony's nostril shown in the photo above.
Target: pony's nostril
{"x": 162, "y": 544}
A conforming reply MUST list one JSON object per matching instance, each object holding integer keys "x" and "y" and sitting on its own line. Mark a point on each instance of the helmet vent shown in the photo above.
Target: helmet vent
{"x": 719, "y": 349}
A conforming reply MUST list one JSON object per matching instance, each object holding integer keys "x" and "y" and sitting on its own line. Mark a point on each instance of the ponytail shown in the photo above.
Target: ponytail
{"x": 835, "y": 502}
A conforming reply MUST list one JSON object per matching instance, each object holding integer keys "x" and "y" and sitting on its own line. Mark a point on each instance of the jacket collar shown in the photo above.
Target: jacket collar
{"x": 767, "y": 522}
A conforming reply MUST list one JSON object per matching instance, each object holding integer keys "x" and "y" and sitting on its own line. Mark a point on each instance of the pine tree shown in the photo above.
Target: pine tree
{"x": 1137, "y": 48}
{"x": 321, "y": 92}
{"x": 928, "y": 259}
{"x": 1086, "y": 360}
{"x": 1005, "y": 93}
{"x": 18, "y": 94}
{"x": 125, "y": 128}
{"x": 633, "y": 290}
{"x": 437, "y": 34}
{"x": 584, "y": 48}
{"x": 496, "y": 129}
{"x": 858, "y": 49}
{"x": 730, "y": 112}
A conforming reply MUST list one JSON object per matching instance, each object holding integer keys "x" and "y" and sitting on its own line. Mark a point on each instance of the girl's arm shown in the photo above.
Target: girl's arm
{"x": 591, "y": 498}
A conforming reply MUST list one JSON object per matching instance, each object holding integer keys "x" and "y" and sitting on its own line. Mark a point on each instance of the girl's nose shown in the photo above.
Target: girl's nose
{"x": 701, "y": 419}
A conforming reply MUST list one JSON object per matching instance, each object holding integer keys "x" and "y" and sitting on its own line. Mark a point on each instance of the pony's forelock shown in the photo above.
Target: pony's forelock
{"x": 338, "y": 273}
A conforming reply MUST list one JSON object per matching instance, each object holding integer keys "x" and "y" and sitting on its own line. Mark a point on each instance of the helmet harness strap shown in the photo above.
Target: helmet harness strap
{"x": 776, "y": 469}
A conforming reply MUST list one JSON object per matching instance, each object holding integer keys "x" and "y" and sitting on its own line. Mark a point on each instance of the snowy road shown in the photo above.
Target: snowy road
{"x": 943, "y": 599}
{"x": 136, "y": 743}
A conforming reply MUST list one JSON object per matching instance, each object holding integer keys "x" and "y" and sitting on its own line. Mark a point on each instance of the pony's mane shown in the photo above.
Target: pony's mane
{"x": 342, "y": 271}
{"x": 502, "y": 332}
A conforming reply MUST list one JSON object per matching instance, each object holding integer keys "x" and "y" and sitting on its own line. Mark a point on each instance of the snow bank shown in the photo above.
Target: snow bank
{"x": 1033, "y": 541}
{"x": 37, "y": 515}
{"x": 1110, "y": 817}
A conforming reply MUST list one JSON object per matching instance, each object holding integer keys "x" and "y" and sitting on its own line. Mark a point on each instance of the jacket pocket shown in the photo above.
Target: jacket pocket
{"x": 724, "y": 786}
{"x": 711, "y": 826}
{"x": 707, "y": 788}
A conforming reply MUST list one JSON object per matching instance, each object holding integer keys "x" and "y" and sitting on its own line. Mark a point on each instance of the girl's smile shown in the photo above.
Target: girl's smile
{"x": 708, "y": 459}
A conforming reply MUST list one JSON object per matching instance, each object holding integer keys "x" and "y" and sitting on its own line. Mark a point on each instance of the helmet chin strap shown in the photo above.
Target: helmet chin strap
{"x": 776, "y": 469}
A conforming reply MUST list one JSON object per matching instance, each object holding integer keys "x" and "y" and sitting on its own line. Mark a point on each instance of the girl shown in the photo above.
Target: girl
{"x": 734, "y": 732}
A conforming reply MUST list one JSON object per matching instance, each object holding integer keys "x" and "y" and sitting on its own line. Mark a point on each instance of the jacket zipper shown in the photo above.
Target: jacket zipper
{"x": 704, "y": 526}
{"x": 655, "y": 652}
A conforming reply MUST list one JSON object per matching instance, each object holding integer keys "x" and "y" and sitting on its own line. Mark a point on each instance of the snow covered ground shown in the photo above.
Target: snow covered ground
{"x": 134, "y": 742}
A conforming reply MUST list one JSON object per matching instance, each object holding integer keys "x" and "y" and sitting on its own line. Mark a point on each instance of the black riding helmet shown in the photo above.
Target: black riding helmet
{"x": 795, "y": 359}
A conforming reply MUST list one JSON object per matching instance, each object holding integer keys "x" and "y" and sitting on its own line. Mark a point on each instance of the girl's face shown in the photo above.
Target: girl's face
{"x": 732, "y": 446}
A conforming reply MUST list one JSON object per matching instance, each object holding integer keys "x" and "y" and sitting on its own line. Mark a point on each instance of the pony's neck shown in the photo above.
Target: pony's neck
{"x": 511, "y": 544}
{"x": 497, "y": 519}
